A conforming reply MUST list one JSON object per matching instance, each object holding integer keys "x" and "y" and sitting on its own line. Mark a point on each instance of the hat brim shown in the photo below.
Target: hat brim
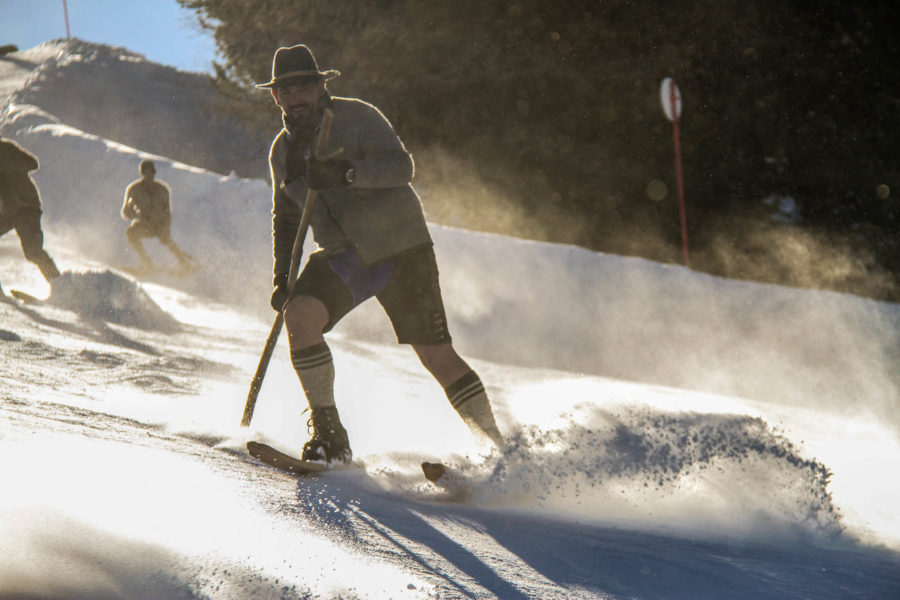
{"x": 285, "y": 77}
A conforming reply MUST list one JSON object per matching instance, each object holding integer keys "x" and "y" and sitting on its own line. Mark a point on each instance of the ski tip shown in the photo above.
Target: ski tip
{"x": 25, "y": 297}
{"x": 280, "y": 460}
{"x": 433, "y": 471}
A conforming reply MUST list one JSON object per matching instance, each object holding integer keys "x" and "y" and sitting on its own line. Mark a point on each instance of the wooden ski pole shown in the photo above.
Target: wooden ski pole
{"x": 296, "y": 254}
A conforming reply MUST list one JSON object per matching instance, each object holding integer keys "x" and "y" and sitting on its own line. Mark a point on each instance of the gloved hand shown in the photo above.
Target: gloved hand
{"x": 280, "y": 293}
{"x": 327, "y": 174}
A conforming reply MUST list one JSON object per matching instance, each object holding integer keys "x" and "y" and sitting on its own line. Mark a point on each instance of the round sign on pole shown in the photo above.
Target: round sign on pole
{"x": 666, "y": 89}
{"x": 670, "y": 96}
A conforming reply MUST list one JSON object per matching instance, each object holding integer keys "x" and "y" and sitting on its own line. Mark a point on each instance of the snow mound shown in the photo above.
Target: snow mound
{"x": 110, "y": 296}
{"x": 722, "y": 474}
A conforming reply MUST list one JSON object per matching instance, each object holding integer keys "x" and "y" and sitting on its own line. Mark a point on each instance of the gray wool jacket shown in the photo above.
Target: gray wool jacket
{"x": 380, "y": 214}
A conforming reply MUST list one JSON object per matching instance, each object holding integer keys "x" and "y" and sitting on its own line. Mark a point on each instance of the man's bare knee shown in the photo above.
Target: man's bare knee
{"x": 305, "y": 318}
{"x": 442, "y": 362}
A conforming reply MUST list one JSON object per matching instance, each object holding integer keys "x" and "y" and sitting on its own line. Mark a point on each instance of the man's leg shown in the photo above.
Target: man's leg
{"x": 463, "y": 388}
{"x": 305, "y": 318}
{"x": 134, "y": 233}
{"x": 31, "y": 237}
{"x": 184, "y": 259}
{"x": 412, "y": 300}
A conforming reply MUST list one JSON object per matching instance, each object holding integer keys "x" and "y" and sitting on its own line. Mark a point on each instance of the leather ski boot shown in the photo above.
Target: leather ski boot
{"x": 329, "y": 443}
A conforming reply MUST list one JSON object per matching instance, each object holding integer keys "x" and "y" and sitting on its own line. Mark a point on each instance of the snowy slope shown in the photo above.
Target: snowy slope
{"x": 672, "y": 435}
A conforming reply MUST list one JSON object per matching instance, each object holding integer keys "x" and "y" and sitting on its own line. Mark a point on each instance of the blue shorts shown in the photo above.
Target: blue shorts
{"x": 406, "y": 285}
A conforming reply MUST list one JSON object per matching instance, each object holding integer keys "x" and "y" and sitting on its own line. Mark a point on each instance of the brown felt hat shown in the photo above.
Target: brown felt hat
{"x": 295, "y": 62}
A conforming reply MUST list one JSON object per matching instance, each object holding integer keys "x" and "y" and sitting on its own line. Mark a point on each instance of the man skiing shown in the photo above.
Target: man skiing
{"x": 147, "y": 206}
{"x": 20, "y": 205}
{"x": 372, "y": 240}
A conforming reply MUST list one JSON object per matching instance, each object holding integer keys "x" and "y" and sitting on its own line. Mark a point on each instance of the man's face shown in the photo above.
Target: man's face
{"x": 298, "y": 100}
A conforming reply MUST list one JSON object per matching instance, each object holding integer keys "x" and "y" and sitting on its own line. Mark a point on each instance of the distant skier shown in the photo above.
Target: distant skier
{"x": 147, "y": 207}
{"x": 20, "y": 205}
{"x": 373, "y": 241}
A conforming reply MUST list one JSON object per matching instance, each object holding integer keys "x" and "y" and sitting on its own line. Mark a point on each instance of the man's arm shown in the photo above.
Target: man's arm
{"x": 129, "y": 210}
{"x": 285, "y": 211}
{"x": 385, "y": 163}
{"x": 285, "y": 222}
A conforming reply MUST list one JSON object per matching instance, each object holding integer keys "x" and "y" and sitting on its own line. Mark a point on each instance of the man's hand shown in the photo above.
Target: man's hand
{"x": 131, "y": 211}
{"x": 328, "y": 174}
{"x": 280, "y": 293}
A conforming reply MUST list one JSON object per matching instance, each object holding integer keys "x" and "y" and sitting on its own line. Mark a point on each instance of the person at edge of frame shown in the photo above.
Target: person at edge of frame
{"x": 20, "y": 205}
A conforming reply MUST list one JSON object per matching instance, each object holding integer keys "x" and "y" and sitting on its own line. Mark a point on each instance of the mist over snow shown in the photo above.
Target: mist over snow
{"x": 671, "y": 434}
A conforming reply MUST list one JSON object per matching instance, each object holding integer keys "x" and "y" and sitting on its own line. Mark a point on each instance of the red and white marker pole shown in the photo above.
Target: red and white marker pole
{"x": 670, "y": 96}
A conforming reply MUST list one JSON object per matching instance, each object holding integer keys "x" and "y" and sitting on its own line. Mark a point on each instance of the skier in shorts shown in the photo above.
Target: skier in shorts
{"x": 148, "y": 208}
{"x": 373, "y": 241}
{"x": 20, "y": 205}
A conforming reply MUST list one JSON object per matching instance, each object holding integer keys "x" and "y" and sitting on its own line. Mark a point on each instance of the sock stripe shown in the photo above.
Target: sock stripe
{"x": 312, "y": 362}
{"x": 467, "y": 393}
{"x": 464, "y": 389}
{"x": 461, "y": 383}
{"x": 310, "y": 358}
{"x": 468, "y": 396}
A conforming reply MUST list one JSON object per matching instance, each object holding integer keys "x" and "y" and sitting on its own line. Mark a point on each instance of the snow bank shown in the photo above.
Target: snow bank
{"x": 550, "y": 305}
{"x": 109, "y": 296}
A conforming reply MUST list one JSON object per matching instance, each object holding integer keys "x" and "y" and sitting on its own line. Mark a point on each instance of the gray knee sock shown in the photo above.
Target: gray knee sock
{"x": 468, "y": 396}
{"x": 315, "y": 368}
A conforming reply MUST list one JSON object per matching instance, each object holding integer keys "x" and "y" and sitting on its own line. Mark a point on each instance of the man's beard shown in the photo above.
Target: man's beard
{"x": 304, "y": 127}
